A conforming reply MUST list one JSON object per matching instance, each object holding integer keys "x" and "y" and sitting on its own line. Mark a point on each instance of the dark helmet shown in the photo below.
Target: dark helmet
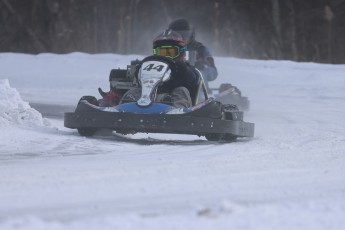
{"x": 170, "y": 44}
{"x": 183, "y": 27}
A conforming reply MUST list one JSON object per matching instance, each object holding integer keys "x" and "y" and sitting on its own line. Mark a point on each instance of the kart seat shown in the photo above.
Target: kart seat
{"x": 197, "y": 90}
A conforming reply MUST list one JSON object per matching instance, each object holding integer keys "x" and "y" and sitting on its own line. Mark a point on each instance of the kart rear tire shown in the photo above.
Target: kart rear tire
{"x": 90, "y": 99}
{"x": 225, "y": 86}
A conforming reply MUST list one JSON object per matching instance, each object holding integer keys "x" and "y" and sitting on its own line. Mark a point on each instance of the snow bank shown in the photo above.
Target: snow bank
{"x": 15, "y": 111}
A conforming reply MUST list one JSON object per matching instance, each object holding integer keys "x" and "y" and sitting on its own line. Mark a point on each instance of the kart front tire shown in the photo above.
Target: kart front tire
{"x": 229, "y": 138}
{"x": 214, "y": 136}
{"x": 87, "y": 132}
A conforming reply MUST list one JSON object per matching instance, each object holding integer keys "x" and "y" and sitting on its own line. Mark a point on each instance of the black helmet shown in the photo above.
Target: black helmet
{"x": 169, "y": 44}
{"x": 183, "y": 27}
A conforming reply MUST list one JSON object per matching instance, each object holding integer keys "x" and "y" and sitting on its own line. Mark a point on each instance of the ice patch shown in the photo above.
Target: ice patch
{"x": 15, "y": 111}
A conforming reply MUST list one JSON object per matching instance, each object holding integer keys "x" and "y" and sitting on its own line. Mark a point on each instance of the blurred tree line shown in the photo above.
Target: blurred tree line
{"x": 299, "y": 30}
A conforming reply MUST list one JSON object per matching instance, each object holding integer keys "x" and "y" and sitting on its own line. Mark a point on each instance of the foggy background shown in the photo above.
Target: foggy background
{"x": 299, "y": 30}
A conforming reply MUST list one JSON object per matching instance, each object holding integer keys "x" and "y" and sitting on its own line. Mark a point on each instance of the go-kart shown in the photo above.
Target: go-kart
{"x": 226, "y": 93}
{"x": 230, "y": 94}
{"x": 207, "y": 117}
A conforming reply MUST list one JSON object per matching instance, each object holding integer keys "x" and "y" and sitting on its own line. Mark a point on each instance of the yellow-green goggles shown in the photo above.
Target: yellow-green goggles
{"x": 169, "y": 51}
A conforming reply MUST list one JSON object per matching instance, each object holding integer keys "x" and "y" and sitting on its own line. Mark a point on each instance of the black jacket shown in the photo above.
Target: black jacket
{"x": 183, "y": 74}
{"x": 202, "y": 59}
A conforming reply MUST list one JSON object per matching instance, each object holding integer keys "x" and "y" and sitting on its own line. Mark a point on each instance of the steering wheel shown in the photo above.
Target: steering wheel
{"x": 171, "y": 63}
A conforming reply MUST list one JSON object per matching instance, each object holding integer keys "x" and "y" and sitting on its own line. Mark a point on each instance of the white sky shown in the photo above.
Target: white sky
{"x": 290, "y": 176}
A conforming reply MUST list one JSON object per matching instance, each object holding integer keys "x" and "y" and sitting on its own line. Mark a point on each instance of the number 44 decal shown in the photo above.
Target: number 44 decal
{"x": 152, "y": 66}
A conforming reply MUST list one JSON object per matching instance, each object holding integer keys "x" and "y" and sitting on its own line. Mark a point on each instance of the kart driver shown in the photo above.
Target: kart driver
{"x": 185, "y": 77}
{"x": 198, "y": 54}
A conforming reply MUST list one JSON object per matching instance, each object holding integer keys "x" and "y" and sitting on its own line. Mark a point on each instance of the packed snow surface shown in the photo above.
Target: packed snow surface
{"x": 291, "y": 175}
